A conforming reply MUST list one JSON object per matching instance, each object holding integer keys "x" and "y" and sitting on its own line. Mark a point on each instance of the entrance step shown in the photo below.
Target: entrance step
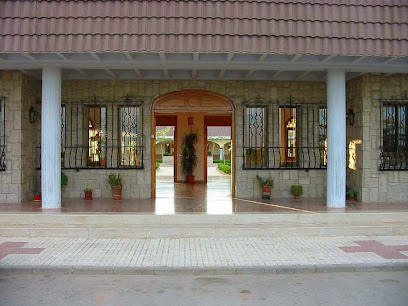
{"x": 124, "y": 225}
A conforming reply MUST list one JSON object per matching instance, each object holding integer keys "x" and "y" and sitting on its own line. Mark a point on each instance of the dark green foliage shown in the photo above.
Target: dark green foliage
{"x": 296, "y": 190}
{"x": 225, "y": 168}
{"x": 188, "y": 153}
{"x": 115, "y": 180}
{"x": 265, "y": 182}
{"x": 166, "y": 154}
{"x": 64, "y": 179}
{"x": 219, "y": 161}
{"x": 351, "y": 194}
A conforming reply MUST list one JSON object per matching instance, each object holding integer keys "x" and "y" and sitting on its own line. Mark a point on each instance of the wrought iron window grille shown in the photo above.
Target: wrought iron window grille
{"x": 296, "y": 142}
{"x": 102, "y": 133}
{"x": 394, "y": 133}
{"x": 2, "y": 134}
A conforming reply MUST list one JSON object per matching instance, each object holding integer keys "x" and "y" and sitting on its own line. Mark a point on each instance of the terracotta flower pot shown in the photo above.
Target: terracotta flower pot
{"x": 88, "y": 195}
{"x": 117, "y": 192}
{"x": 190, "y": 179}
{"x": 37, "y": 197}
{"x": 266, "y": 192}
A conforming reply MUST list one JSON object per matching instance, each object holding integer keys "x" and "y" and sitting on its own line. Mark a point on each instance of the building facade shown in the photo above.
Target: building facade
{"x": 315, "y": 94}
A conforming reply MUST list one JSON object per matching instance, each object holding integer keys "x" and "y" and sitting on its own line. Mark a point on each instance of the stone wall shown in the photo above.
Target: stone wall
{"x": 31, "y": 97}
{"x": 363, "y": 95}
{"x": 10, "y": 88}
{"x": 379, "y": 186}
{"x": 137, "y": 182}
{"x": 18, "y": 181}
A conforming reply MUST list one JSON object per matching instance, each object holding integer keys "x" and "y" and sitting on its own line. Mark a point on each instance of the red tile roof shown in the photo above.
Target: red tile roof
{"x": 346, "y": 27}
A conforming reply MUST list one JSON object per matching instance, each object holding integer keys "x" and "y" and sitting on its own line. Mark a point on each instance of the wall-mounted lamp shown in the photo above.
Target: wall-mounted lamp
{"x": 32, "y": 114}
{"x": 350, "y": 116}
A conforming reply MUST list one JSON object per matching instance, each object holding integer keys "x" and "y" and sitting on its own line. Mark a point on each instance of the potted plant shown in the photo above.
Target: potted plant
{"x": 189, "y": 156}
{"x": 37, "y": 196}
{"x": 88, "y": 193}
{"x": 209, "y": 153}
{"x": 115, "y": 180}
{"x": 267, "y": 185}
{"x": 64, "y": 179}
{"x": 296, "y": 191}
{"x": 351, "y": 195}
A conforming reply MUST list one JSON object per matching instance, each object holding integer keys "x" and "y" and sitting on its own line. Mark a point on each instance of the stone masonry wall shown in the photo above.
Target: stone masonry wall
{"x": 379, "y": 186}
{"x": 137, "y": 183}
{"x": 363, "y": 95}
{"x": 18, "y": 181}
{"x": 31, "y": 96}
{"x": 355, "y": 132}
{"x": 10, "y": 88}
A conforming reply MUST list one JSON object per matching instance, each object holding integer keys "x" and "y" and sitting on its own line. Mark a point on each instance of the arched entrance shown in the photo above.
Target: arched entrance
{"x": 192, "y": 110}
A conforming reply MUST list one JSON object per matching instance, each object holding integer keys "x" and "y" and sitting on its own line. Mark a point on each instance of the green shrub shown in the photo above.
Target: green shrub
{"x": 64, "y": 179}
{"x": 296, "y": 190}
{"x": 208, "y": 153}
{"x": 265, "y": 182}
{"x": 157, "y": 164}
{"x": 225, "y": 168}
{"x": 351, "y": 194}
{"x": 219, "y": 161}
{"x": 159, "y": 160}
{"x": 166, "y": 154}
{"x": 115, "y": 180}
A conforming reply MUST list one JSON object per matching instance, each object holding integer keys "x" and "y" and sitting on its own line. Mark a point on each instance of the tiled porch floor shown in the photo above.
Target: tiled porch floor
{"x": 211, "y": 198}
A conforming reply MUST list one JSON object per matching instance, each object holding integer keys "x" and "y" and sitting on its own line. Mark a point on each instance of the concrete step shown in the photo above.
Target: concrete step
{"x": 124, "y": 225}
{"x": 201, "y": 219}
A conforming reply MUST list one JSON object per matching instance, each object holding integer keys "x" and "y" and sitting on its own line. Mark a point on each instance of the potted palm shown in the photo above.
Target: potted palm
{"x": 189, "y": 156}
{"x": 296, "y": 190}
{"x": 267, "y": 185}
{"x": 115, "y": 180}
{"x": 88, "y": 193}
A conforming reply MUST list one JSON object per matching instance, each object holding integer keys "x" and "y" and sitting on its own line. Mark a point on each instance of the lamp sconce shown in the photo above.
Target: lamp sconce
{"x": 32, "y": 115}
{"x": 350, "y": 116}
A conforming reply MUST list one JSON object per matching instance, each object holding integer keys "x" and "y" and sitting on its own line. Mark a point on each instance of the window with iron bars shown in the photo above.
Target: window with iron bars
{"x": 101, "y": 134}
{"x": 2, "y": 134}
{"x": 394, "y": 134}
{"x": 287, "y": 134}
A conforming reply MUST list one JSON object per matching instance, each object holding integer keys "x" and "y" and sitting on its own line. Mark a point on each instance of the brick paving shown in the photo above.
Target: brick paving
{"x": 203, "y": 252}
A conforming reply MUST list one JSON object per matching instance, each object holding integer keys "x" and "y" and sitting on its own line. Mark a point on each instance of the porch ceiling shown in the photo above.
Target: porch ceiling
{"x": 200, "y": 66}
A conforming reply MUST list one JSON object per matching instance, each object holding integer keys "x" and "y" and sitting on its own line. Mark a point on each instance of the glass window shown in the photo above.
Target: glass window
{"x": 394, "y": 123}
{"x": 288, "y": 134}
{"x": 97, "y": 133}
{"x": 323, "y": 135}
{"x": 255, "y": 138}
{"x": 130, "y": 136}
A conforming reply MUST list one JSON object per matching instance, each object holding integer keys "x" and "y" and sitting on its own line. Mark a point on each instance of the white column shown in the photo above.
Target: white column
{"x": 336, "y": 138}
{"x": 51, "y": 138}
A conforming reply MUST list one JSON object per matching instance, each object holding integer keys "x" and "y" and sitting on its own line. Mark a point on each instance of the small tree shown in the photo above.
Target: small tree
{"x": 188, "y": 154}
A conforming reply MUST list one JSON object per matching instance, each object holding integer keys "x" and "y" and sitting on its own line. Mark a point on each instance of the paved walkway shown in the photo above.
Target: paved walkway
{"x": 169, "y": 172}
{"x": 307, "y": 253}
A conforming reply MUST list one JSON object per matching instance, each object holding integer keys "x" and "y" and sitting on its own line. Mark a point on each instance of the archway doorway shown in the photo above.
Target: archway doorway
{"x": 192, "y": 111}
